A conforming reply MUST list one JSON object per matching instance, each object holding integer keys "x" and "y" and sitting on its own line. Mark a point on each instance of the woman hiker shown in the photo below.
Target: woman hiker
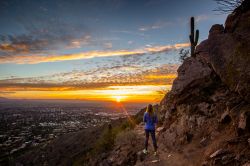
{"x": 150, "y": 119}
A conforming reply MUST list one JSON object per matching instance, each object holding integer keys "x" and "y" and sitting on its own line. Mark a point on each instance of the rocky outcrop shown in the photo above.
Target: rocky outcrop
{"x": 208, "y": 107}
{"x": 228, "y": 52}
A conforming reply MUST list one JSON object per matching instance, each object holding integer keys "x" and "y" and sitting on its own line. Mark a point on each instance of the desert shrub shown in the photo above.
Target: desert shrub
{"x": 138, "y": 118}
{"x": 105, "y": 142}
{"x": 107, "y": 139}
{"x": 128, "y": 137}
{"x": 128, "y": 124}
{"x": 183, "y": 54}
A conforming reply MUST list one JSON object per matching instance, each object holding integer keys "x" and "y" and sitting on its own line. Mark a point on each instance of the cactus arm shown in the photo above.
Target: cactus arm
{"x": 196, "y": 37}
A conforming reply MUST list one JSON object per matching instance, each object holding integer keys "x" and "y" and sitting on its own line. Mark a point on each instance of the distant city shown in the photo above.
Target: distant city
{"x": 27, "y": 124}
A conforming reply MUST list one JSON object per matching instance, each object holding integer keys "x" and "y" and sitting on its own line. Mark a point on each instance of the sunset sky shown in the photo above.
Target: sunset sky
{"x": 101, "y": 50}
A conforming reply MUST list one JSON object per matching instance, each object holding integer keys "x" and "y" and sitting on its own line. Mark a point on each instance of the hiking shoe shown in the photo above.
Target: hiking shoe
{"x": 145, "y": 151}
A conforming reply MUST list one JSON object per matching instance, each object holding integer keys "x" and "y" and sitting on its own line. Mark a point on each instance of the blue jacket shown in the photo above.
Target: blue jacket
{"x": 150, "y": 122}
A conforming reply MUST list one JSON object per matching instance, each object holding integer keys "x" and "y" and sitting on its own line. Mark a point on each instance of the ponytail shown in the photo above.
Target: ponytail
{"x": 150, "y": 110}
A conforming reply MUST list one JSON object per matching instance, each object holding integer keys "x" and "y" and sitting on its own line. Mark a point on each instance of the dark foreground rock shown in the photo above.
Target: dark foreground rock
{"x": 208, "y": 107}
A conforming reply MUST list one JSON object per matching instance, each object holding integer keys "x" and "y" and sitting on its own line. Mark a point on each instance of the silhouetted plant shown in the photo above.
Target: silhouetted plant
{"x": 193, "y": 37}
{"x": 161, "y": 93}
{"x": 183, "y": 54}
{"x": 227, "y": 6}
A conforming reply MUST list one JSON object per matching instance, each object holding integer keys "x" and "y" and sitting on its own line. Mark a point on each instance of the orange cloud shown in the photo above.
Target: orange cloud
{"x": 37, "y": 58}
{"x": 158, "y": 49}
{"x": 168, "y": 76}
{"x": 14, "y": 47}
{"x": 93, "y": 79}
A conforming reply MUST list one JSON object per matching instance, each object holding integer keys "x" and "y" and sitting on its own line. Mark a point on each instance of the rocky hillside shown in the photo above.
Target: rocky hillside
{"x": 207, "y": 111}
{"x": 206, "y": 115}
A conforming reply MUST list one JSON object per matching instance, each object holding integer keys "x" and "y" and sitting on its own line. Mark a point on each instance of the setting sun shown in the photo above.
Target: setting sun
{"x": 118, "y": 98}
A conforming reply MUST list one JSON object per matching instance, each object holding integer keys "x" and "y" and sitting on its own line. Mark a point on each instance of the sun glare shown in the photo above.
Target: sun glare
{"x": 118, "y": 98}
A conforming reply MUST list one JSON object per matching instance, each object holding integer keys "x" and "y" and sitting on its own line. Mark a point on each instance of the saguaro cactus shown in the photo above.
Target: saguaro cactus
{"x": 193, "y": 37}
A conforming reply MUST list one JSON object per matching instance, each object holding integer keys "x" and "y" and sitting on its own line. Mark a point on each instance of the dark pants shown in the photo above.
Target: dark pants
{"x": 152, "y": 133}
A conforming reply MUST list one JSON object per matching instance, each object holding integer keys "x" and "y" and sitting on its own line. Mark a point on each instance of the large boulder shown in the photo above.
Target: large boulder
{"x": 191, "y": 73}
{"x": 194, "y": 75}
{"x": 229, "y": 53}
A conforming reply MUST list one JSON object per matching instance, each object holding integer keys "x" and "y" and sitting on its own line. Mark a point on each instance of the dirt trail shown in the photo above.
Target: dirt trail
{"x": 164, "y": 157}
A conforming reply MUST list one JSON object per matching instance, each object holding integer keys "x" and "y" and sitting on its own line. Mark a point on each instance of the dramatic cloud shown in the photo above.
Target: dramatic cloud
{"x": 93, "y": 79}
{"x": 159, "y": 49}
{"x": 31, "y": 44}
{"x": 43, "y": 34}
{"x": 37, "y": 58}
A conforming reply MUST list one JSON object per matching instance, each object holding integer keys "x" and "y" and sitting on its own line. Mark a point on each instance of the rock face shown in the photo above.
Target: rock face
{"x": 209, "y": 101}
{"x": 228, "y": 52}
